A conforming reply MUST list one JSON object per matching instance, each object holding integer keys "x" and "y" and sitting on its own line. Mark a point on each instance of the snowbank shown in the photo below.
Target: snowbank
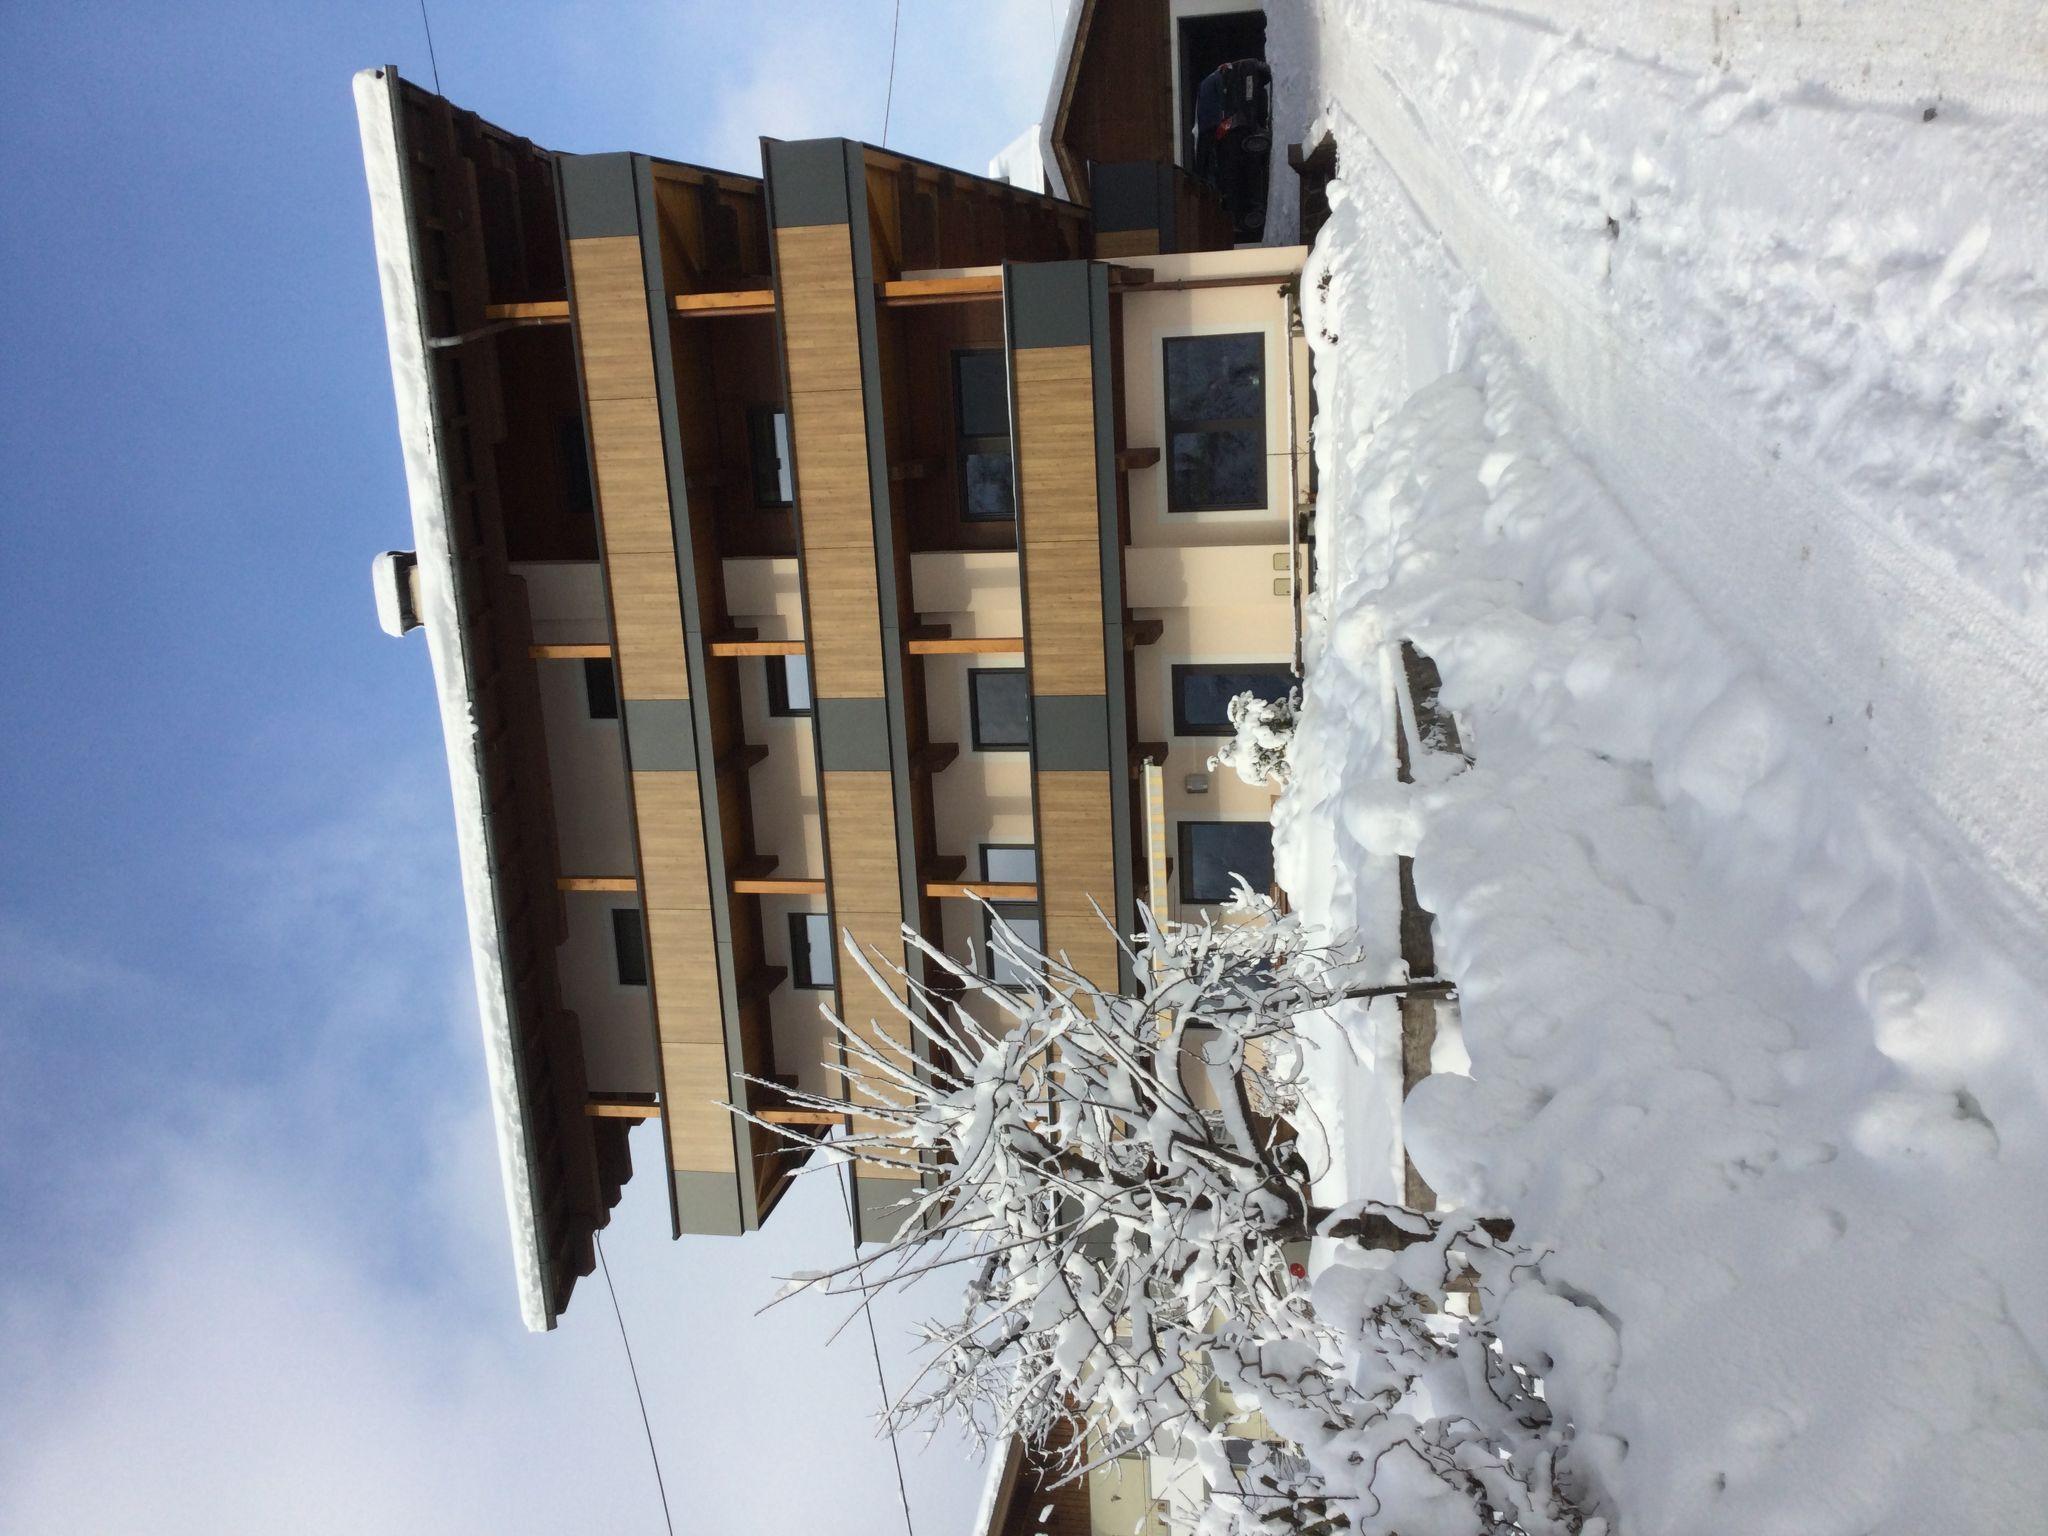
{"x": 1724, "y": 522}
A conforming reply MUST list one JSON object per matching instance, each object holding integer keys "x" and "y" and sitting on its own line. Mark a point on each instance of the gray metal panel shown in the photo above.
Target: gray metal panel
{"x": 1115, "y": 658}
{"x": 877, "y": 1215}
{"x": 807, "y": 182}
{"x": 1069, "y": 731}
{"x": 708, "y": 1203}
{"x": 660, "y": 735}
{"x": 1127, "y": 195}
{"x": 598, "y": 196}
{"x": 1048, "y": 303}
{"x": 852, "y": 733}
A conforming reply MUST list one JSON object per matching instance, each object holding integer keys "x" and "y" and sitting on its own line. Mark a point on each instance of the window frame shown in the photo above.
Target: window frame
{"x": 1178, "y": 425}
{"x": 966, "y": 444}
{"x": 993, "y": 912}
{"x": 802, "y": 951}
{"x": 1182, "y": 726}
{"x": 761, "y": 420}
{"x": 619, "y": 953}
{"x": 1184, "y": 830}
{"x": 777, "y": 673}
{"x": 595, "y": 667}
{"x": 974, "y": 674}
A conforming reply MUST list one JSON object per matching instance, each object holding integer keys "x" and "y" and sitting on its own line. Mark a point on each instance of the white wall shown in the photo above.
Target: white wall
{"x": 617, "y": 1027}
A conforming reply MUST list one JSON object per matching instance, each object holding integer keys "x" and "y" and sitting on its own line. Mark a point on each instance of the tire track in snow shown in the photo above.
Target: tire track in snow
{"x": 1884, "y": 644}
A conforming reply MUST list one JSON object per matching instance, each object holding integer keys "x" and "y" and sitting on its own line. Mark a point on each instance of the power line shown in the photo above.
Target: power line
{"x": 652, "y": 1454}
{"x": 430, "y": 47}
{"x": 875, "y": 1345}
{"x": 889, "y": 99}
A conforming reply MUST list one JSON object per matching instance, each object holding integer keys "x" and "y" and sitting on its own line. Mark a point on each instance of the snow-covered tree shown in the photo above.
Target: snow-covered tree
{"x": 1262, "y": 730}
{"x": 1117, "y": 1179}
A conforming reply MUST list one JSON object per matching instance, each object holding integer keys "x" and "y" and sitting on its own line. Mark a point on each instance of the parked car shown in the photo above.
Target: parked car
{"x": 1234, "y": 140}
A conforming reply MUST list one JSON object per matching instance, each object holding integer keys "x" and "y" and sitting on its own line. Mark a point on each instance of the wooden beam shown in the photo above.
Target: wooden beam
{"x": 760, "y": 982}
{"x": 744, "y": 301}
{"x": 544, "y": 309}
{"x": 942, "y": 290}
{"x": 944, "y": 866}
{"x": 756, "y": 647}
{"x": 568, "y": 652}
{"x": 912, "y": 469}
{"x": 987, "y": 890}
{"x": 738, "y": 759}
{"x": 620, "y": 1109}
{"x": 1137, "y": 458}
{"x": 934, "y": 756}
{"x": 992, "y": 645}
{"x": 1139, "y": 632}
{"x": 800, "y": 1117}
{"x": 777, "y": 885}
{"x": 597, "y": 883}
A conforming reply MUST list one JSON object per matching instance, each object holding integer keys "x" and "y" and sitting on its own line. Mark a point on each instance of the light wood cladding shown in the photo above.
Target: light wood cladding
{"x": 610, "y": 291}
{"x": 671, "y": 826}
{"x": 1060, "y": 519}
{"x": 828, "y": 433}
{"x": 1077, "y": 861}
{"x": 699, "y": 1130}
{"x": 860, "y": 809}
{"x": 647, "y": 612}
{"x": 632, "y": 474}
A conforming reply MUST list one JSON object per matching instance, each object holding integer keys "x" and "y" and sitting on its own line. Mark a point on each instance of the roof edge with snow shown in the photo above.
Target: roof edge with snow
{"x": 440, "y": 613}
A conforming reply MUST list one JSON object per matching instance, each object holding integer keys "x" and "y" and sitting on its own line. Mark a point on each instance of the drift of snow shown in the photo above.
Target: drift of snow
{"x": 1695, "y": 426}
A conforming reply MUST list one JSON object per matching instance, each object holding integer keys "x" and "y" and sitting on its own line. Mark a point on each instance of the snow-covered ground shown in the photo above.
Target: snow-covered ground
{"x": 1683, "y": 378}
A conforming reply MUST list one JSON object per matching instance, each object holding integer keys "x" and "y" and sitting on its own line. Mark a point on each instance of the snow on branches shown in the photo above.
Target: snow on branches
{"x": 1116, "y": 1178}
{"x": 1262, "y": 731}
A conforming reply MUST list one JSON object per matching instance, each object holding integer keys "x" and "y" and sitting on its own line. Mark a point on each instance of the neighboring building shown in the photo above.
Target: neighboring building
{"x": 804, "y": 554}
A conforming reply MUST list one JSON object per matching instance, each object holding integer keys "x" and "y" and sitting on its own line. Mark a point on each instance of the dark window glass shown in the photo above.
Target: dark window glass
{"x": 981, "y": 416}
{"x": 601, "y": 688}
{"x": 1001, "y": 698}
{"x": 1010, "y": 863}
{"x": 1215, "y": 423}
{"x": 768, "y": 445}
{"x": 629, "y": 944}
{"x": 789, "y": 685}
{"x": 1202, "y": 695}
{"x": 810, "y": 950}
{"x": 1211, "y": 852}
{"x": 574, "y": 455}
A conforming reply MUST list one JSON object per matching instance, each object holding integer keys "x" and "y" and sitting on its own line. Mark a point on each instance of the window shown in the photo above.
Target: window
{"x": 1202, "y": 694}
{"x": 1211, "y": 852}
{"x": 981, "y": 423}
{"x": 1001, "y": 707}
{"x": 1216, "y": 423}
{"x": 1010, "y": 863}
{"x": 810, "y": 950}
{"x": 574, "y": 455}
{"x": 789, "y": 685}
{"x": 601, "y": 688}
{"x": 629, "y": 945}
{"x": 768, "y": 446}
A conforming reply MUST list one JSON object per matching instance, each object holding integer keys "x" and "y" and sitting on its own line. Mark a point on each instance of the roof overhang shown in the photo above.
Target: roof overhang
{"x": 440, "y": 612}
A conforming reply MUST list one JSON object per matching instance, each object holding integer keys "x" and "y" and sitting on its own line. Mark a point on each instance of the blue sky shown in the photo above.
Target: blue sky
{"x": 253, "y": 1272}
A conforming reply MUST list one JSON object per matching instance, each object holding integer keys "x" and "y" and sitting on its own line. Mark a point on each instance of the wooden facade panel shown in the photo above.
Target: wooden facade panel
{"x": 671, "y": 825}
{"x": 860, "y": 813}
{"x": 681, "y": 951}
{"x": 1063, "y": 616}
{"x": 610, "y": 291}
{"x": 632, "y": 475}
{"x": 699, "y": 1129}
{"x": 647, "y": 611}
{"x": 845, "y": 616}
{"x": 816, "y": 300}
{"x": 1077, "y": 861}
{"x": 830, "y": 432}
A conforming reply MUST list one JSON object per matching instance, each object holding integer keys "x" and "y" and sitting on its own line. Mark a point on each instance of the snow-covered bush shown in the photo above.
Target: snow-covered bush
{"x": 1261, "y": 732}
{"x": 1115, "y": 1177}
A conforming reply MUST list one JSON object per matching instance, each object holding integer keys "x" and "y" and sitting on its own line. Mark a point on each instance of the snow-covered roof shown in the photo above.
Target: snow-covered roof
{"x": 440, "y": 614}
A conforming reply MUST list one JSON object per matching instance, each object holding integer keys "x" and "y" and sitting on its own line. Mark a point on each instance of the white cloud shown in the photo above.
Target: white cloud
{"x": 302, "y": 1319}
